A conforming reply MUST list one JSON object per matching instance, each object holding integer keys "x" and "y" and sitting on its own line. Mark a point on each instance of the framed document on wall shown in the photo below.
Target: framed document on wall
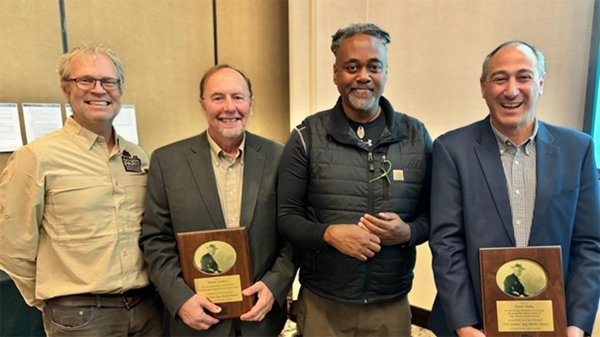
{"x": 522, "y": 292}
{"x": 216, "y": 264}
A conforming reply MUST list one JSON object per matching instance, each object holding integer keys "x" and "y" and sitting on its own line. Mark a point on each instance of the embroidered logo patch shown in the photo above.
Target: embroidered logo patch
{"x": 398, "y": 175}
{"x": 131, "y": 163}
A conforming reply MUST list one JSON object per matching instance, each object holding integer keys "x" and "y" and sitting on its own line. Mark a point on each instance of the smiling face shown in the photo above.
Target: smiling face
{"x": 511, "y": 90}
{"x": 227, "y": 105}
{"x": 96, "y": 106}
{"x": 360, "y": 74}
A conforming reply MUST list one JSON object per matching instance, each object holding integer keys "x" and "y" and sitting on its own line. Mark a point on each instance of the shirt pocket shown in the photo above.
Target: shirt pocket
{"x": 79, "y": 208}
{"x": 135, "y": 193}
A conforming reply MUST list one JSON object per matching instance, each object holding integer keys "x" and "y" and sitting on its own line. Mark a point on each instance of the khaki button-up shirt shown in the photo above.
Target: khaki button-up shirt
{"x": 70, "y": 215}
{"x": 229, "y": 174}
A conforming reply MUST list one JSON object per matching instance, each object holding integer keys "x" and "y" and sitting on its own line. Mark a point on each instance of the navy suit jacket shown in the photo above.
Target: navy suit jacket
{"x": 470, "y": 209}
{"x": 182, "y": 196}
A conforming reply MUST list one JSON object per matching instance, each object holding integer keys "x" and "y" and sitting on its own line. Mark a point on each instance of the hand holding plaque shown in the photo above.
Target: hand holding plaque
{"x": 216, "y": 264}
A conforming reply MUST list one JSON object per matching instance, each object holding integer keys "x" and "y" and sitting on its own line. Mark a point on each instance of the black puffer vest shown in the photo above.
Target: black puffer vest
{"x": 341, "y": 190}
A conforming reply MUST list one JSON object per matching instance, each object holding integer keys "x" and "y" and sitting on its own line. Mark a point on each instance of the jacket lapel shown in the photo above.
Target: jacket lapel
{"x": 547, "y": 159}
{"x": 254, "y": 162}
{"x": 201, "y": 166}
{"x": 489, "y": 158}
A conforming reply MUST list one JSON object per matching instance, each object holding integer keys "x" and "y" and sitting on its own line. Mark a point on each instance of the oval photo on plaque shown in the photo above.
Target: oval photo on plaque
{"x": 522, "y": 278}
{"x": 214, "y": 257}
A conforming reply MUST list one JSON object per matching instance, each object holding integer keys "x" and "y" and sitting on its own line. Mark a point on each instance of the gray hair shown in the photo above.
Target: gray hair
{"x": 541, "y": 64}
{"x": 358, "y": 28}
{"x": 64, "y": 64}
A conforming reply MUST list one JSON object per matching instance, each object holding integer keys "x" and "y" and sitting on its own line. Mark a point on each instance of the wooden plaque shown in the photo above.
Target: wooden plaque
{"x": 522, "y": 292}
{"x": 216, "y": 264}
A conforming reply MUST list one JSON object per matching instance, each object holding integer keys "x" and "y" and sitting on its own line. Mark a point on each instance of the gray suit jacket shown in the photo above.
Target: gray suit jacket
{"x": 182, "y": 196}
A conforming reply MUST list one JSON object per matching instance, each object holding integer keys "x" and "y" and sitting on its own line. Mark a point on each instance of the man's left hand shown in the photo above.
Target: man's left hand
{"x": 388, "y": 227}
{"x": 262, "y": 306}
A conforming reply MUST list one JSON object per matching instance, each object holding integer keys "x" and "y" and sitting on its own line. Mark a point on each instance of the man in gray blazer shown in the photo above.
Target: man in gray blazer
{"x": 223, "y": 178}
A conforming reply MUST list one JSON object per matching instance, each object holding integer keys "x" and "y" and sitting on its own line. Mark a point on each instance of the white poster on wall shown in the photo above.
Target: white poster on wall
{"x": 68, "y": 111}
{"x": 10, "y": 127}
{"x": 126, "y": 125}
{"x": 40, "y": 119}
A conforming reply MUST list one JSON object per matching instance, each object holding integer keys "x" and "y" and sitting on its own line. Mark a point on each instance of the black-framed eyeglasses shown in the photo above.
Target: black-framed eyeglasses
{"x": 88, "y": 83}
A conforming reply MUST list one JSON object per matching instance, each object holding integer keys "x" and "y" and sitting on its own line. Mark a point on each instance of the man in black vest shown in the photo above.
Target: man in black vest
{"x": 353, "y": 196}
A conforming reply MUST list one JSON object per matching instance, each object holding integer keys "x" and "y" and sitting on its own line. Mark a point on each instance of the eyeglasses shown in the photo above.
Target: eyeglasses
{"x": 89, "y": 83}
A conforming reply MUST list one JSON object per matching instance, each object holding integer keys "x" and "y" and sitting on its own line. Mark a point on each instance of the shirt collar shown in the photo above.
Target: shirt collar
{"x": 85, "y": 137}
{"x": 504, "y": 143}
{"x": 219, "y": 154}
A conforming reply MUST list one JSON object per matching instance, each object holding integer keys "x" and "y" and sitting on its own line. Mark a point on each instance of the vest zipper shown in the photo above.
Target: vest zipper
{"x": 385, "y": 181}
{"x": 370, "y": 210}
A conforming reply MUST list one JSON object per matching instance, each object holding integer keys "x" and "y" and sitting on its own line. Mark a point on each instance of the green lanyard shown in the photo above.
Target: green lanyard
{"x": 385, "y": 173}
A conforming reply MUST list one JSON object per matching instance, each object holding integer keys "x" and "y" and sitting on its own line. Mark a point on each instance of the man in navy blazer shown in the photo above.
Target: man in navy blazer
{"x": 225, "y": 177}
{"x": 512, "y": 180}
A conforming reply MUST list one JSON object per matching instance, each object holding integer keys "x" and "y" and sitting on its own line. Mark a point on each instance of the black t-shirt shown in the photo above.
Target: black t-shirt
{"x": 372, "y": 129}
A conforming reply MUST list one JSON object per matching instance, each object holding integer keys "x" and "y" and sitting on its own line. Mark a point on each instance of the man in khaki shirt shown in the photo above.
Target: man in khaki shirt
{"x": 71, "y": 203}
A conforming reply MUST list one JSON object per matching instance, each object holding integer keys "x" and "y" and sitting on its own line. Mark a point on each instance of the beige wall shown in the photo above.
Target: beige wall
{"x": 166, "y": 45}
{"x": 436, "y": 53}
{"x": 25, "y": 73}
{"x": 435, "y": 62}
{"x": 260, "y": 48}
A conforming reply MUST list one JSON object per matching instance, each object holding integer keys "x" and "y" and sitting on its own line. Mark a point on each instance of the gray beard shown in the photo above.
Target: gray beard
{"x": 231, "y": 134}
{"x": 362, "y": 104}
